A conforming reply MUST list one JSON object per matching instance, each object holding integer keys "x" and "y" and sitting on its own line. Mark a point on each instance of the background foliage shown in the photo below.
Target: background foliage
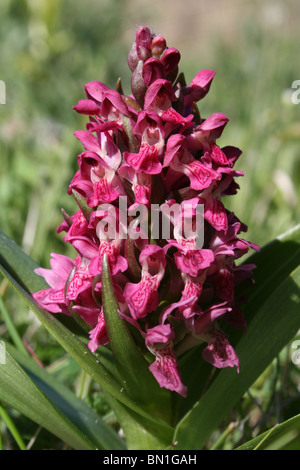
{"x": 48, "y": 51}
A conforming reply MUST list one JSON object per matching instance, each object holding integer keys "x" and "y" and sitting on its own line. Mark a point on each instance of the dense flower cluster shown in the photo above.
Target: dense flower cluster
{"x": 152, "y": 147}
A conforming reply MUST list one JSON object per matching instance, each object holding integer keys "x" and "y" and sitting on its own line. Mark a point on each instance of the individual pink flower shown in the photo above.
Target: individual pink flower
{"x": 142, "y": 298}
{"x": 98, "y": 335}
{"x": 159, "y": 96}
{"x": 220, "y": 353}
{"x": 53, "y": 298}
{"x": 198, "y": 87}
{"x": 179, "y": 158}
{"x": 165, "y": 368}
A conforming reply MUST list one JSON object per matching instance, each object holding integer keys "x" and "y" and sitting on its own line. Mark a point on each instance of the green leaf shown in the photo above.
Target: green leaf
{"x": 276, "y": 438}
{"x": 19, "y": 265}
{"x": 197, "y": 375}
{"x": 81, "y": 202}
{"x": 132, "y": 366}
{"x": 19, "y": 391}
{"x": 273, "y": 318}
{"x": 12, "y": 428}
{"x": 85, "y": 419}
{"x": 274, "y": 262}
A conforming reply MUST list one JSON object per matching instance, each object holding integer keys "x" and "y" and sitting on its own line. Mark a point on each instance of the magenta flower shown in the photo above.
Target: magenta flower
{"x": 151, "y": 149}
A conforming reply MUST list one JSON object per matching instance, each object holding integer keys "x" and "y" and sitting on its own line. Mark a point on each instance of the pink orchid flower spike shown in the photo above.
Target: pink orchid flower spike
{"x": 150, "y": 188}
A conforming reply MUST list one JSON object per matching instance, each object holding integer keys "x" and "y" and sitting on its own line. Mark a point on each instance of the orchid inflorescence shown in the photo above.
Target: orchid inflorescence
{"x": 148, "y": 148}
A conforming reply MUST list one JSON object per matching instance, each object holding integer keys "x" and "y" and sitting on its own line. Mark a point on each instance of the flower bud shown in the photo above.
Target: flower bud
{"x": 138, "y": 86}
{"x": 143, "y": 43}
{"x": 158, "y": 46}
{"x": 133, "y": 57}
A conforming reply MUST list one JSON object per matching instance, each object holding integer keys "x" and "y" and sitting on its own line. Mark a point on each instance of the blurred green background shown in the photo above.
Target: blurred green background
{"x": 50, "y": 48}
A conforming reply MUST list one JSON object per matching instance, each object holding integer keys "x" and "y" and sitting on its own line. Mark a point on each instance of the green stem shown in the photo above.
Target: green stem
{"x": 219, "y": 443}
{"x": 12, "y": 428}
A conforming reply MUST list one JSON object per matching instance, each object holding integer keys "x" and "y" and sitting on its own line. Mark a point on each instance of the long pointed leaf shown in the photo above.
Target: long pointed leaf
{"x": 19, "y": 265}
{"x": 276, "y": 437}
{"x": 275, "y": 261}
{"x": 85, "y": 419}
{"x": 15, "y": 385}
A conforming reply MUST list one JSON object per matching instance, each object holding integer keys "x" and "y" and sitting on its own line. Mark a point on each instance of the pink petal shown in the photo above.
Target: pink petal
{"x": 199, "y": 86}
{"x": 98, "y": 335}
{"x": 145, "y": 161}
{"x": 104, "y": 192}
{"x": 204, "y": 321}
{"x": 201, "y": 177}
{"x": 88, "y": 141}
{"x": 85, "y": 247}
{"x": 51, "y": 300}
{"x": 152, "y": 70}
{"x": 159, "y": 95}
{"x": 170, "y": 59}
{"x": 51, "y": 277}
{"x": 216, "y": 122}
{"x": 158, "y": 45}
{"x": 142, "y": 298}
{"x": 203, "y": 78}
{"x": 113, "y": 98}
{"x": 160, "y": 334}
{"x": 117, "y": 263}
{"x": 174, "y": 144}
{"x": 96, "y": 90}
{"x": 215, "y": 214}
{"x": 166, "y": 371}
{"x": 61, "y": 266}
{"x": 80, "y": 282}
{"x": 152, "y": 253}
{"x": 147, "y": 118}
{"x": 88, "y": 107}
{"x": 220, "y": 353}
{"x": 194, "y": 260}
{"x": 218, "y": 156}
{"x": 143, "y": 42}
